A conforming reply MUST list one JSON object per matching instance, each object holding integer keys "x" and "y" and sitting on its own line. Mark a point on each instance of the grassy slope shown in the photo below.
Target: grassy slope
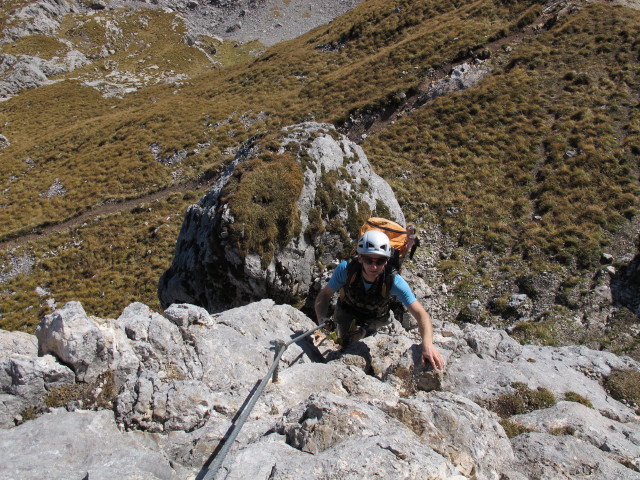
{"x": 495, "y": 152}
{"x": 541, "y": 157}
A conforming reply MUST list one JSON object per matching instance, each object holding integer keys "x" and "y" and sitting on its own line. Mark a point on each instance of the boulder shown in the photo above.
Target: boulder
{"x": 547, "y": 457}
{"x": 80, "y": 444}
{"x": 77, "y": 341}
{"x": 215, "y": 273}
{"x": 25, "y": 380}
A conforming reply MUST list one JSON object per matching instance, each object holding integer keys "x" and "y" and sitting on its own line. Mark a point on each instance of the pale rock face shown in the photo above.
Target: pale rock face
{"x": 588, "y": 424}
{"x": 81, "y": 444}
{"x": 73, "y": 338}
{"x": 39, "y": 17}
{"x": 549, "y": 457}
{"x": 468, "y": 435}
{"x": 20, "y": 72}
{"x": 181, "y": 378}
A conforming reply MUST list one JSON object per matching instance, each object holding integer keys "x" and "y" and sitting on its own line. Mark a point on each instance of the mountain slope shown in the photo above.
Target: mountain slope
{"x": 501, "y": 177}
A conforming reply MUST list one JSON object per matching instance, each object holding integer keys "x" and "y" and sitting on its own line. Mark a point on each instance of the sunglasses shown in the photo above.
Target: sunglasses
{"x": 374, "y": 261}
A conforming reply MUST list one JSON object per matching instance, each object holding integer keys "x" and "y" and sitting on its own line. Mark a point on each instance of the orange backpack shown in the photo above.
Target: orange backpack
{"x": 398, "y": 237}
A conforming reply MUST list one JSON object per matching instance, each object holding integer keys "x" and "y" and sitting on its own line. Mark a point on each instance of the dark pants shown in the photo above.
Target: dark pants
{"x": 353, "y": 327}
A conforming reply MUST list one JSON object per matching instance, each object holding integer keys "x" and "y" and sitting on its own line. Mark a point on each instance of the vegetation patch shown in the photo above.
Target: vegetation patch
{"x": 513, "y": 429}
{"x": 98, "y": 394}
{"x": 106, "y": 264}
{"x": 522, "y": 400}
{"x": 564, "y": 430}
{"x": 541, "y": 332}
{"x": 512, "y": 161}
{"x": 231, "y": 53}
{"x": 262, "y": 199}
{"x": 41, "y": 46}
{"x": 624, "y": 385}
{"x": 575, "y": 397}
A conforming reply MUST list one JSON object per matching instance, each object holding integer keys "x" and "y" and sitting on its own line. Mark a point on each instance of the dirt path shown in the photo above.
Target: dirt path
{"x": 104, "y": 209}
{"x": 374, "y": 122}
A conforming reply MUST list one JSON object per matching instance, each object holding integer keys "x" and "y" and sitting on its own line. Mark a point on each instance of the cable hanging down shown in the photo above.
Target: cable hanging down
{"x": 279, "y": 347}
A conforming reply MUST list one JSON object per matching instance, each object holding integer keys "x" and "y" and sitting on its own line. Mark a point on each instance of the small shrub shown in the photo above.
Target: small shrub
{"x": 65, "y": 394}
{"x": 534, "y": 399}
{"x": 566, "y": 430}
{"x": 30, "y": 413}
{"x": 575, "y": 397}
{"x": 624, "y": 385}
{"x": 522, "y": 400}
{"x": 315, "y": 226}
{"x": 513, "y": 429}
{"x": 264, "y": 205}
{"x": 98, "y": 394}
{"x": 537, "y": 333}
{"x": 507, "y": 405}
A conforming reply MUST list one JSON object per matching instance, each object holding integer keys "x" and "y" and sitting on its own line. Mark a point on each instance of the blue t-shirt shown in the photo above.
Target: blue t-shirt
{"x": 400, "y": 287}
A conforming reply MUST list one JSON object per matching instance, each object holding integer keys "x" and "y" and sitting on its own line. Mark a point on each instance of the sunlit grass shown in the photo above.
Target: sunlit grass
{"x": 537, "y": 165}
{"x": 106, "y": 264}
{"x": 535, "y": 158}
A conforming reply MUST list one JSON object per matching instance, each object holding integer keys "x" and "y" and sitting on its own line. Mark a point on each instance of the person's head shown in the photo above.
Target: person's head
{"x": 374, "y": 250}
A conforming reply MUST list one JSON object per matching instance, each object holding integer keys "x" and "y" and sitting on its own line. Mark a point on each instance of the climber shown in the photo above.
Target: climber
{"x": 365, "y": 284}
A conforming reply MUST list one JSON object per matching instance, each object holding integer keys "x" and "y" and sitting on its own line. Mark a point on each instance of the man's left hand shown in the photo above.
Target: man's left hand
{"x": 328, "y": 325}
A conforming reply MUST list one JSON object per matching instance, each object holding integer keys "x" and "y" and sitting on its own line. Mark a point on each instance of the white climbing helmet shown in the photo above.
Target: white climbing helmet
{"x": 374, "y": 242}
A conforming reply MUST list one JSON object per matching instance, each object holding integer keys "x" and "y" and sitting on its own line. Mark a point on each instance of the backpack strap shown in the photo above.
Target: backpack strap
{"x": 389, "y": 277}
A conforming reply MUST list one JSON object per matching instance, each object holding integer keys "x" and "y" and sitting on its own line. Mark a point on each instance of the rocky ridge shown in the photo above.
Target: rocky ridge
{"x": 151, "y": 395}
{"x": 163, "y": 410}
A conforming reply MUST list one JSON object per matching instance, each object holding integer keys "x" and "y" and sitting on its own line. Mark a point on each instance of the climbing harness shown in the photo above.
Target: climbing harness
{"x": 279, "y": 348}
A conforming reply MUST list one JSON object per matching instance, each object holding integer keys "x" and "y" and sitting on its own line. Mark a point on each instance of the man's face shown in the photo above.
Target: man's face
{"x": 372, "y": 265}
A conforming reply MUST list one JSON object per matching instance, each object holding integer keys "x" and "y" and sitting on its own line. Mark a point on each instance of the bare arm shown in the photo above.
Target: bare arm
{"x": 429, "y": 352}
{"x": 322, "y": 302}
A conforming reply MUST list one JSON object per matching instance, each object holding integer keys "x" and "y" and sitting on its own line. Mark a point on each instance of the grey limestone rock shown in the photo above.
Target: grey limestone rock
{"x": 547, "y": 457}
{"x": 71, "y": 336}
{"x": 619, "y": 441}
{"x": 18, "y": 342}
{"x": 181, "y": 378}
{"x": 83, "y": 444}
{"x": 20, "y": 72}
{"x": 38, "y": 17}
{"x": 479, "y": 376}
{"x": 468, "y": 435}
{"x": 349, "y": 437}
{"x": 25, "y": 380}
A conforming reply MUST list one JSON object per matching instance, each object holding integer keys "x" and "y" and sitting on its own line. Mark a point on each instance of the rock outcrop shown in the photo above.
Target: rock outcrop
{"x": 151, "y": 395}
{"x": 38, "y": 17}
{"x": 210, "y": 271}
{"x": 19, "y": 72}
